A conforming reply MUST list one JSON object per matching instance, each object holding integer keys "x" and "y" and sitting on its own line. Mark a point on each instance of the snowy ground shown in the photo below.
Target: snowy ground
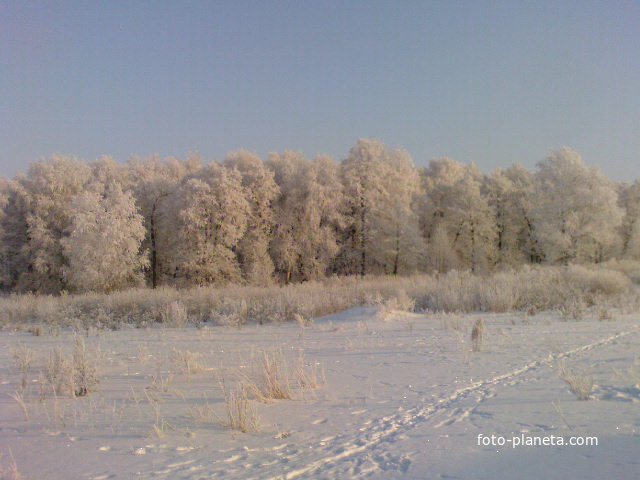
{"x": 405, "y": 397}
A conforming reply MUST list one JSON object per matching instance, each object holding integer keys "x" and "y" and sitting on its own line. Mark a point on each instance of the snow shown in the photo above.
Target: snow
{"x": 405, "y": 397}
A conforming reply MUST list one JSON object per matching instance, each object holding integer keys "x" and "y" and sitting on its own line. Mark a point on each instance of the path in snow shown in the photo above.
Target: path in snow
{"x": 339, "y": 459}
{"x": 368, "y": 452}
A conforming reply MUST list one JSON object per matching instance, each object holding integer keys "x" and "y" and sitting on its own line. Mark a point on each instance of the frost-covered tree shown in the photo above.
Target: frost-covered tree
{"x": 441, "y": 255}
{"x": 106, "y": 172}
{"x": 575, "y": 210}
{"x": 5, "y": 193}
{"x": 14, "y": 233}
{"x": 103, "y": 243}
{"x": 380, "y": 187}
{"x": 69, "y": 224}
{"x": 211, "y": 214}
{"x": 509, "y": 195}
{"x": 471, "y": 220}
{"x": 629, "y": 201}
{"x": 454, "y": 203}
{"x": 519, "y": 202}
{"x": 152, "y": 181}
{"x": 5, "y": 187}
{"x": 308, "y": 215}
{"x": 260, "y": 190}
{"x": 47, "y": 190}
{"x": 437, "y": 180}
{"x": 395, "y": 224}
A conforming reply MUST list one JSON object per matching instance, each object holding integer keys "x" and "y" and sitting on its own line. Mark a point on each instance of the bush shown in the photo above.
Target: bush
{"x": 535, "y": 288}
{"x": 173, "y": 314}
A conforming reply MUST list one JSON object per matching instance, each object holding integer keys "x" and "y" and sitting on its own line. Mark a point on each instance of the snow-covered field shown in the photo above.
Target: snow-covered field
{"x": 405, "y": 397}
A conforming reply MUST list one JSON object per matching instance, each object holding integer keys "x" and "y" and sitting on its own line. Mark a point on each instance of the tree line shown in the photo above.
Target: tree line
{"x": 67, "y": 225}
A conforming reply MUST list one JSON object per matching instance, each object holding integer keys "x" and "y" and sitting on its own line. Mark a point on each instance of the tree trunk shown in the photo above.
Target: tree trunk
{"x": 363, "y": 237}
{"x": 397, "y": 255}
{"x": 473, "y": 247}
{"x": 154, "y": 251}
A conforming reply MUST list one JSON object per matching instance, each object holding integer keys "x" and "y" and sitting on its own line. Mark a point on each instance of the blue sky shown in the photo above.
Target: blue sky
{"x": 492, "y": 82}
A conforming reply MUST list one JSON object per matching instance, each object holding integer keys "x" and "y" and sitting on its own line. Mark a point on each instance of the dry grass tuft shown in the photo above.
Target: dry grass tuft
{"x": 477, "y": 335}
{"x": 35, "y": 330}
{"x": 574, "y": 307}
{"x": 73, "y": 375}
{"x": 24, "y": 357}
{"x": 187, "y": 362}
{"x": 19, "y": 399}
{"x": 308, "y": 377}
{"x": 160, "y": 426}
{"x": 241, "y": 414}
{"x": 85, "y": 368}
{"x": 160, "y": 383}
{"x": 271, "y": 379}
{"x": 302, "y": 321}
{"x": 59, "y": 373}
{"x": 580, "y": 385}
{"x": 451, "y": 323}
{"x": 203, "y": 414}
{"x": 11, "y": 471}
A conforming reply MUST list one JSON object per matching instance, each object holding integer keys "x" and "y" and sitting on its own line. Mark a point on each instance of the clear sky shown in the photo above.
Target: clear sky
{"x": 492, "y": 82}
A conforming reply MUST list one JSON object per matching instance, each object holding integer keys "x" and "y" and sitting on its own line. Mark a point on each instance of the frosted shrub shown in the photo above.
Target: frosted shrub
{"x": 531, "y": 289}
{"x": 173, "y": 314}
{"x": 603, "y": 310}
{"x": 453, "y": 292}
{"x": 601, "y": 280}
{"x": 374, "y": 299}
{"x": 401, "y": 301}
{"x": 539, "y": 288}
{"x": 398, "y": 302}
{"x": 228, "y": 320}
{"x": 229, "y": 312}
{"x": 499, "y": 293}
{"x": 30, "y": 308}
{"x": 630, "y": 268}
{"x": 574, "y": 307}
